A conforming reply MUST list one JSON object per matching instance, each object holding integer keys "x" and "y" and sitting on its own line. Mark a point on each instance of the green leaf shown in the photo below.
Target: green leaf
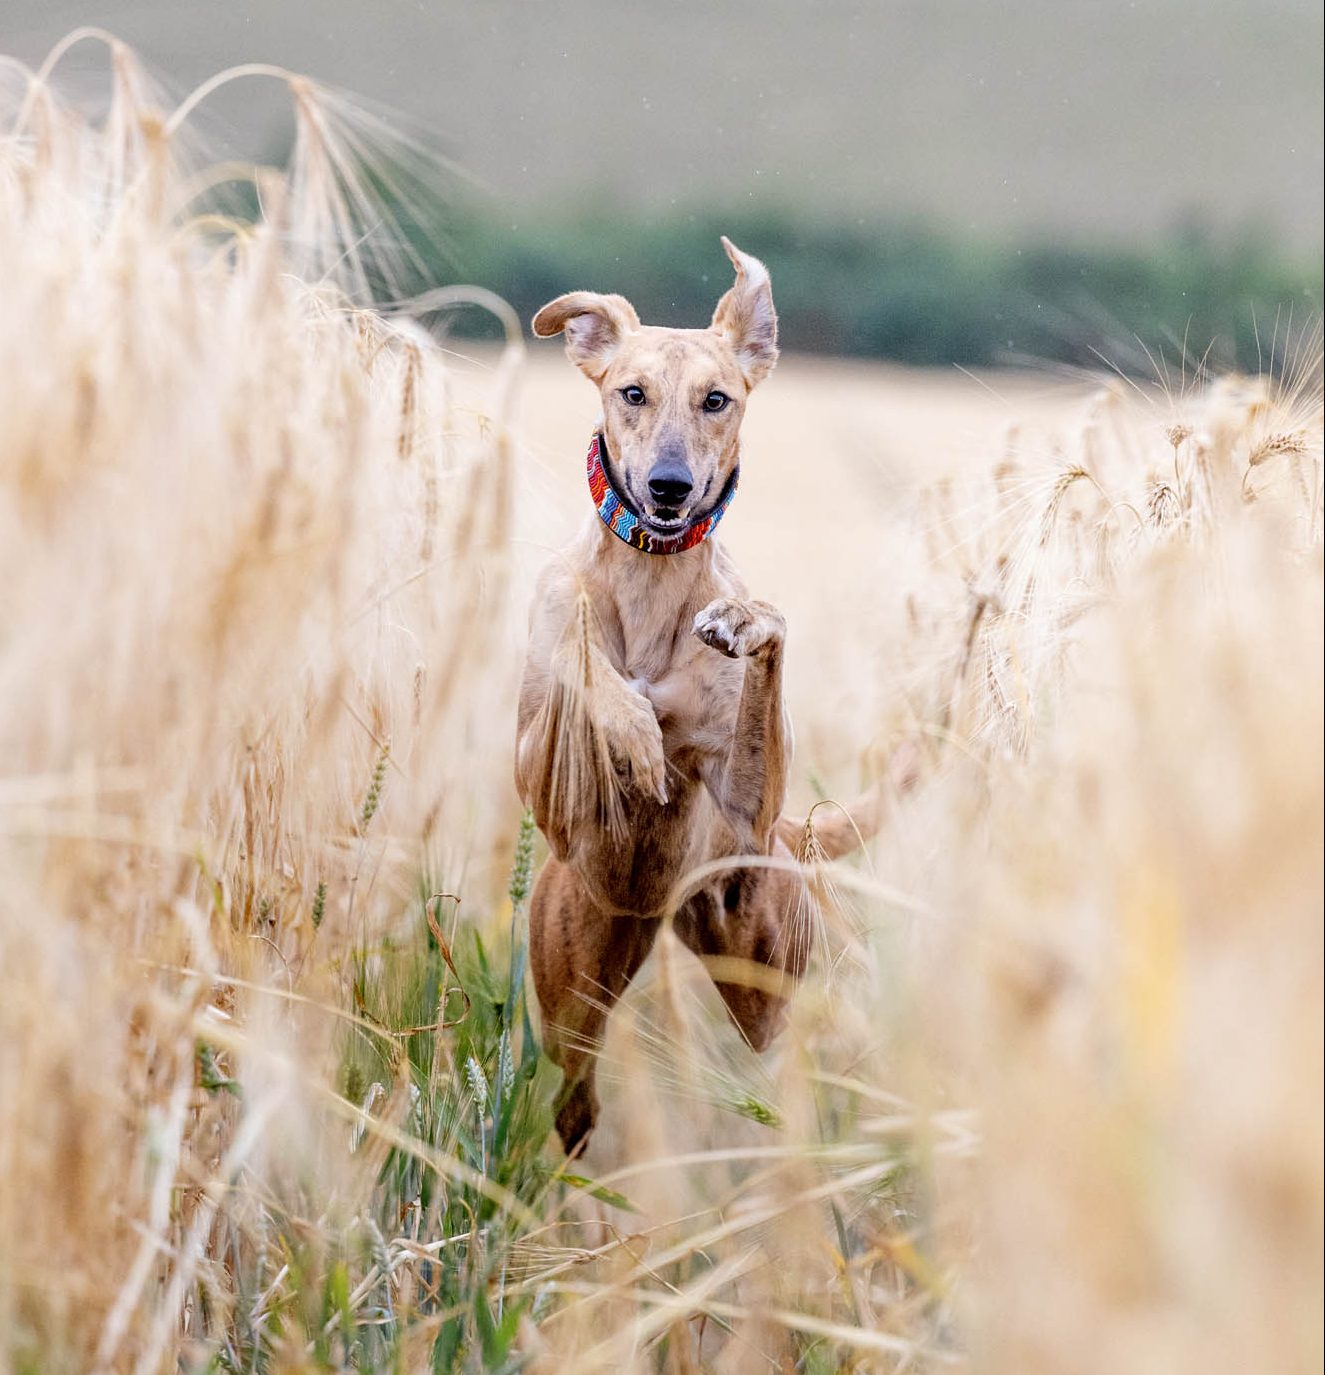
{"x": 598, "y": 1191}
{"x": 211, "y": 1076}
{"x": 337, "y": 1300}
{"x": 447, "y": 1346}
{"x": 509, "y": 1326}
{"x": 496, "y": 1338}
{"x": 529, "y": 1047}
{"x": 519, "y": 956}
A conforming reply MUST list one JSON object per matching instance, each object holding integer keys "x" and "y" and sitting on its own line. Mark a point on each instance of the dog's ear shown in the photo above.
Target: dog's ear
{"x": 745, "y": 315}
{"x": 595, "y": 326}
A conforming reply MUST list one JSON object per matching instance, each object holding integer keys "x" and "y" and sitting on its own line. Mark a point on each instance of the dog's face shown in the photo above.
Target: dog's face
{"x": 673, "y": 399}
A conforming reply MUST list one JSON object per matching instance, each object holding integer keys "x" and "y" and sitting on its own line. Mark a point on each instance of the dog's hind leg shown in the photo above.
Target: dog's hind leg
{"x": 583, "y": 960}
{"x": 746, "y": 932}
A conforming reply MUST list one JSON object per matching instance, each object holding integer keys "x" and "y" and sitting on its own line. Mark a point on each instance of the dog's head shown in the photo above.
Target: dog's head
{"x": 673, "y": 399}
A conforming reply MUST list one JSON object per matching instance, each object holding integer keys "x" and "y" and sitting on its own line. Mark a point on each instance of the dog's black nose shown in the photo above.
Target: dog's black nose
{"x": 669, "y": 483}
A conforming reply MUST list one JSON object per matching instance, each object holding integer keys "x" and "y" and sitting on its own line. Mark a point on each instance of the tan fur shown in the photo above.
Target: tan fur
{"x": 652, "y": 735}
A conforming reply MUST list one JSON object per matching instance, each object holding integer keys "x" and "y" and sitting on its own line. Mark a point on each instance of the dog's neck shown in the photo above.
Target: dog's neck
{"x": 619, "y": 516}
{"x": 645, "y": 604}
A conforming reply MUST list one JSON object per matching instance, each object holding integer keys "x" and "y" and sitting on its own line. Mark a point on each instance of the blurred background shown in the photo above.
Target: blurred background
{"x": 959, "y": 183}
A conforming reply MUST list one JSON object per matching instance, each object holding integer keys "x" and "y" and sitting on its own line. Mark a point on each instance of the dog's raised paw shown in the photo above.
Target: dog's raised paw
{"x": 634, "y": 739}
{"x": 739, "y": 629}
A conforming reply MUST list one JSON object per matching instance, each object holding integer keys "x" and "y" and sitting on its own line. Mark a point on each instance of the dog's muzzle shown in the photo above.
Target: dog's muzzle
{"x": 620, "y": 517}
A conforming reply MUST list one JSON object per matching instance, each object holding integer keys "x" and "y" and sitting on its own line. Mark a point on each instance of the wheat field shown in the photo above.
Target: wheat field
{"x": 271, "y": 1095}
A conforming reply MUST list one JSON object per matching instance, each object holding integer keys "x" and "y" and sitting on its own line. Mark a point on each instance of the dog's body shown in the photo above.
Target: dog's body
{"x": 652, "y": 735}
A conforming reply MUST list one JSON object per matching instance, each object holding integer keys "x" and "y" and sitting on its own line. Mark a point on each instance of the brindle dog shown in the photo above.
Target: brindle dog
{"x": 652, "y": 734}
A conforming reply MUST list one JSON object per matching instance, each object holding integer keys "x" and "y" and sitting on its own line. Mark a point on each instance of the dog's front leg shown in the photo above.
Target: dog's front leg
{"x": 585, "y": 737}
{"x": 750, "y": 917}
{"x": 750, "y": 783}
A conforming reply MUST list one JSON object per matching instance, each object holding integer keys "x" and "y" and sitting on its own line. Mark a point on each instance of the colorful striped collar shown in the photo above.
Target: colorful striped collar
{"x": 616, "y": 514}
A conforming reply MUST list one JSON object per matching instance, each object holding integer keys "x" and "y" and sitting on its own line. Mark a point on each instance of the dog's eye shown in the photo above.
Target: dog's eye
{"x": 716, "y": 401}
{"x": 633, "y": 396}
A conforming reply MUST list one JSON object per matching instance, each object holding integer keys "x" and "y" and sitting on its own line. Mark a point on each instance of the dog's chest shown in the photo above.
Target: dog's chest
{"x": 648, "y": 632}
{"x": 695, "y": 701}
{"x": 644, "y": 644}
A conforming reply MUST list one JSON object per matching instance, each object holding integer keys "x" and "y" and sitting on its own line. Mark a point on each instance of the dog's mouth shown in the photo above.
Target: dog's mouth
{"x": 666, "y": 520}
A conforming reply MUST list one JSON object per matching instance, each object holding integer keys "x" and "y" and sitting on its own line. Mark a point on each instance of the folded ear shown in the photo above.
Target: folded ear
{"x": 595, "y": 326}
{"x": 745, "y": 315}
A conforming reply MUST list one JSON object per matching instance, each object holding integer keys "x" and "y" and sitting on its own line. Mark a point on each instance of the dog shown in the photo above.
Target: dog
{"x": 652, "y": 737}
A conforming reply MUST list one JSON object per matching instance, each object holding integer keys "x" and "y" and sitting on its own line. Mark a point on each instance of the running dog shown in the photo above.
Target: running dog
{"x": 652, "y": 737}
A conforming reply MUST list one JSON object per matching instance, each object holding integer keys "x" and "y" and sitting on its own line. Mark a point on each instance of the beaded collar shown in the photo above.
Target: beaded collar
{"x": 616, "y": 514}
